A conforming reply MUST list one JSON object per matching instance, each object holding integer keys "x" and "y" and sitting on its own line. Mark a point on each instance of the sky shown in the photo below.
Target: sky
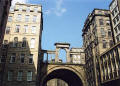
{"x": 63, "y": 20}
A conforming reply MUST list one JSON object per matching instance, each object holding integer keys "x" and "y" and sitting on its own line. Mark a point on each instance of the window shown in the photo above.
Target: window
{"x": 33, "y": 29}
{"x": 111, "y": 43}
{"x": 28, "y": 9}
{"x": 15, "y": 43}
{"x": 35, "y": 9}
{"x": 2, "y": 59}
{"x": 17, "y": 28}
{"x": 109, "y": 33}
{"x": 117, "y": 18}
{"x": 9, "y": 18}
{"x": 10, "y": 75}
{"x": 19, "y": 76}
{"x": 32, "y": 43}
{"x": 26, "y": 18}
{"x": 101, "y": 21}
{"x": 107, "y": 22}
{"x": 102, "y": 32}
{"x": 24, "y": 42}
{"x": 5, "y": 43}
{"x": 34, "y": 18}
{"x": 114, "y": 21}
{"x": 12, "y": 8}
{"x": 116, "y": 30}
{"x": 29, "y": 76}
{"x": 20, "y": 8}
{"x": 22, "y": 57}
{"x": 12, "y": 58}
{"x": 7, "y": 30}
{"x": 19, "y": 17}
{"x": 31, "y": 58}
{"x": 26, "y": 28}
{"x": 104, "y": 44}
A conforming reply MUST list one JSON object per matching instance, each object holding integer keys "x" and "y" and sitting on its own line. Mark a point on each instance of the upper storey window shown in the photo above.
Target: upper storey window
{"x": 27, "y": 18}
{"x": 20, "y": 8}
{"x": 19, "y": 17}
{"x": 35, "y": 9}
{"x": 9, "y": 18}
{"x": 34, "y": 18}
{"x": 17, "y": 29}
{"x": 101, "y": 22}
{"x": 28, "y": 9}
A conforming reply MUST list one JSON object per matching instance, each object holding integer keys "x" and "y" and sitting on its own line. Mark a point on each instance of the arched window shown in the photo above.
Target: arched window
{"x": 15, "y": 43}
{"x": 24, "y": 42}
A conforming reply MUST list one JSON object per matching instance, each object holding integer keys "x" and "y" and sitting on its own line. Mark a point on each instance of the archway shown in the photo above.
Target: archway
{"x": 70, "y": 77}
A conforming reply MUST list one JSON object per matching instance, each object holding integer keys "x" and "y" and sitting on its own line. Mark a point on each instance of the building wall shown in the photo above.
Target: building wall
{"x": 77, "y": 55}
{"x": 115, "y": 17}
{"x": 97, "y": 38}
{"x": 22, "y": 70}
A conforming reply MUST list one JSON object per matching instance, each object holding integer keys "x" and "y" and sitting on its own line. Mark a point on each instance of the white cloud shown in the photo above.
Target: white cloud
{"x": 59, "y": 10}
{"x": 20, "y": 1}
{"x": 47, "y": 12}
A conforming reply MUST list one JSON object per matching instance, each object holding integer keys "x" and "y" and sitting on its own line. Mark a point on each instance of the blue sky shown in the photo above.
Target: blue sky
{"x": 64, "y": 19}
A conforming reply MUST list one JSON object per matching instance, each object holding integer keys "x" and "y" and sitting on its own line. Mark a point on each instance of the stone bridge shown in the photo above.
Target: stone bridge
{"x": 73, "y": 74}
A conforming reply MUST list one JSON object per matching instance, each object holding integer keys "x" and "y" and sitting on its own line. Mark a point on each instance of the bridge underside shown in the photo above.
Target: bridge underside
{"x": 66, "y": 75}
{"x": 73, "y": 75}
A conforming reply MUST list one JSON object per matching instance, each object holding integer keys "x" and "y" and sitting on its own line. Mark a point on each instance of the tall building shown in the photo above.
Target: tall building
{"x": 4, "y": 11}
{"x": 97, "y": 38}
{"x": 115, "y": 18}
{"x": 22, "y": 43}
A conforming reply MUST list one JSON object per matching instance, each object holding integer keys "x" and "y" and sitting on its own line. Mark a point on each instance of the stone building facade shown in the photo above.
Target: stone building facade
{"x": 115, "y": 18}
{"x": 21, "y": 46}
{"x": 97, "y": 38}
{"x": 77, "y": 55}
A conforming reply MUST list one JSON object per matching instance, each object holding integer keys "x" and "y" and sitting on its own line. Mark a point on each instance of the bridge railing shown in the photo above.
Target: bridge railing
{"x": 110, "y": 64}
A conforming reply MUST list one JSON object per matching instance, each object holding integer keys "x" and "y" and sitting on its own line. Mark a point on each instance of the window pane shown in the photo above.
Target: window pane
{"x": 34, "y": 18}
{"x": 26, "y": 28}
{"x": 7, "y": 30}
{"x": 101, "y": 21}
{"x": 31, "y": 58}
{"x": 12, "y": 59}
{"x": 19, "y": 17}
{"x": 29, "y": 76}
{"x": 10, "y": 75}
{"x": 9, "y": 18}
{"x": 22, "y": 58}
{"x": 19, "y": 77}
{"x": 33, "y": 29}
{"x": 32, "y": 43}
{"x": 17, "y": 28}
{"x": 24, "y": 42}
{"x": 27, "y": 18}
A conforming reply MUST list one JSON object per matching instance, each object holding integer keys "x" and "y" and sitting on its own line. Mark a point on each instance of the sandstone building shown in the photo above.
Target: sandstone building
{"x": 22, "y": 43}
{"x": 97, "y": 38}
{"x": 115, "y": 18}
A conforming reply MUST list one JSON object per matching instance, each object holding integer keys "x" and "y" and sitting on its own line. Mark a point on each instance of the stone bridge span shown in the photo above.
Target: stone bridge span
{"x": 72, "y": 74}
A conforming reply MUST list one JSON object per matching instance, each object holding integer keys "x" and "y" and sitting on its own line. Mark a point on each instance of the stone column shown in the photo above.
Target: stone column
{"x": 68, "y": 56}
{"x": 56, "y": 55}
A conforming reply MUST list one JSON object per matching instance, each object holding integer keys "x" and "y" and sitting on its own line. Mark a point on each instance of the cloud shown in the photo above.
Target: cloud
{"x": 47, "y": 12}
{"x": 20, "y": 1}
{"x": 59, "y": 10}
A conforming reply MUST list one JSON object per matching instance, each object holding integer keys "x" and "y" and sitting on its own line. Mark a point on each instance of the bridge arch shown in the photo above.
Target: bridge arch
{"x": 69, "y": 74}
